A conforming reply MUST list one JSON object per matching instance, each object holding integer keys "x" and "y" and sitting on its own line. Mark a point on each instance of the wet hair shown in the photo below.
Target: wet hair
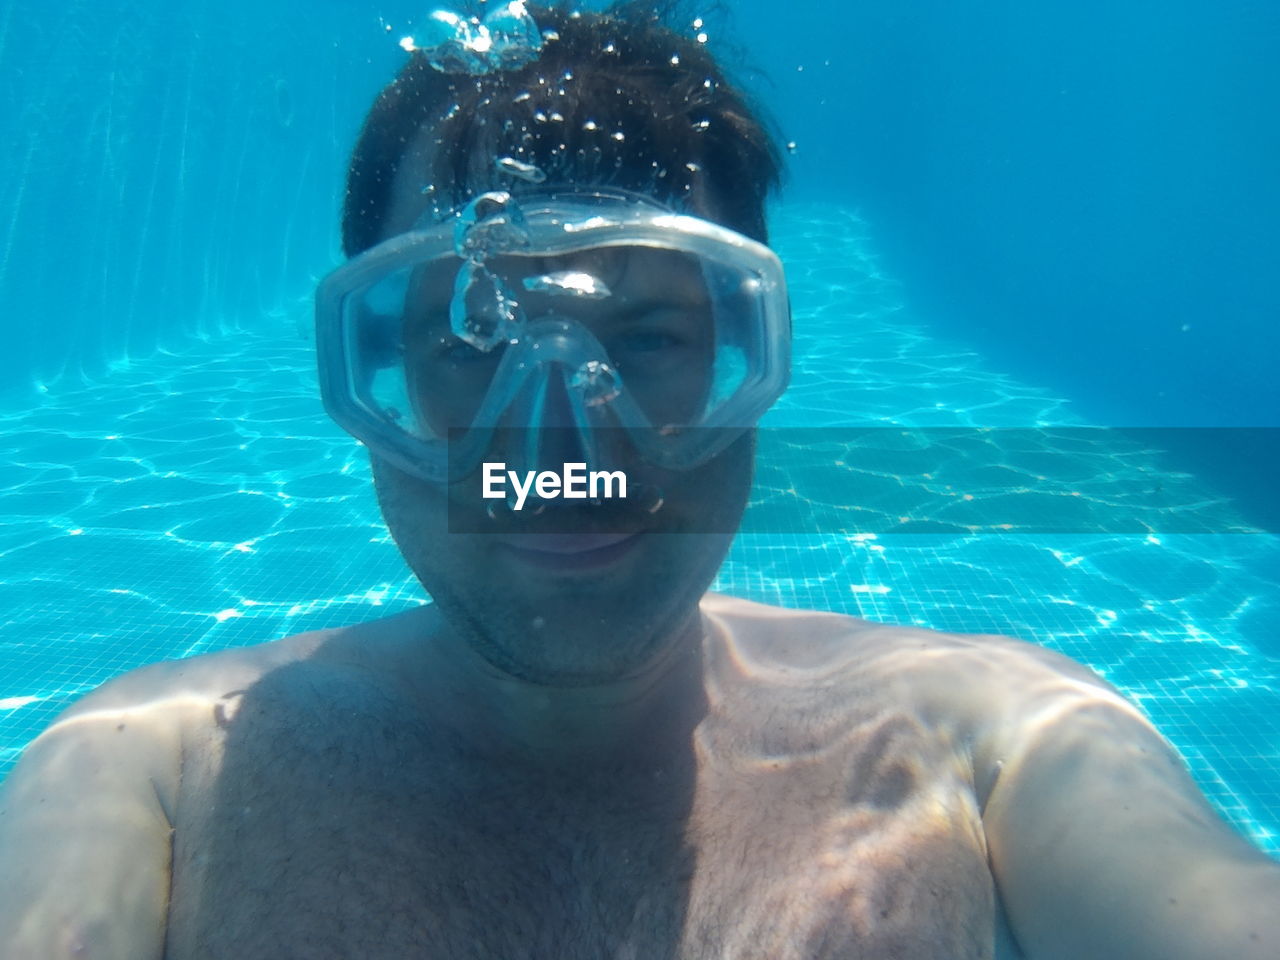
{"x": 617, "y": 98}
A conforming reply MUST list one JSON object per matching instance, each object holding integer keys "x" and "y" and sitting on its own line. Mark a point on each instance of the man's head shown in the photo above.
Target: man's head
{"x": 613, "y": 102}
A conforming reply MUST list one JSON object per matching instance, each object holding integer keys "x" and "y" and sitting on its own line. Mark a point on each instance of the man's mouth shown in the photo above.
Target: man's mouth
{"x": 569, "y": 551}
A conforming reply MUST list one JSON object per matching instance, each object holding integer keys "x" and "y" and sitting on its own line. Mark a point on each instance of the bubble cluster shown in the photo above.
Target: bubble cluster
{"x": 484, "y": 311}
{"x": 597, "y": 382}
{"x": 507, "y": 38}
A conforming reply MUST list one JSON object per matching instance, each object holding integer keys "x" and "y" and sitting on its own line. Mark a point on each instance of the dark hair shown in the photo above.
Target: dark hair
{"x": 616, "y": 98}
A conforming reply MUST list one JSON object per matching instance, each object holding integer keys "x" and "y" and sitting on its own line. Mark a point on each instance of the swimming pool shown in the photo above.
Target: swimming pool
{"x": 200, "y": 500}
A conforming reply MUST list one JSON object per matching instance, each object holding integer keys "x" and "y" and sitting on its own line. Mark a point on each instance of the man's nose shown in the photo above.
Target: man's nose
{"x": 566, "y": 430}
{"x": 558, "y": 435}
{"x": 552, "y": 437}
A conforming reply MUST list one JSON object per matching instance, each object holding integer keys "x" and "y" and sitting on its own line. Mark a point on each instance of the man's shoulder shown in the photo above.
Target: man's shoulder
{"x": 174, "y": 694}
{"x": 174, "y": 686}
{"x": 781, "y": 631}
{"x": 987, "y": 692}
{"x": 967, "y": 678}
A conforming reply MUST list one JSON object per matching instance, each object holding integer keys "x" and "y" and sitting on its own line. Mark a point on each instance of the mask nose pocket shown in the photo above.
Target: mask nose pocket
{"x": 553, "y": 415}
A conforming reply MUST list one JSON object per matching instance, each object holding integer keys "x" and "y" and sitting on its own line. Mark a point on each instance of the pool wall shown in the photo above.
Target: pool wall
{"x": 169, "y": 171}
{"x": 1083, "y": 191}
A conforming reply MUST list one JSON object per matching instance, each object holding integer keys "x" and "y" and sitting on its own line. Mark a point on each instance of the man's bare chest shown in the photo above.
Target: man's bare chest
{"x": 313, "y": 839}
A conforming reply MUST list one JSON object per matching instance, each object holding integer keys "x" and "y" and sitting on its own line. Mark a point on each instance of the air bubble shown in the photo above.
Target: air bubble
{"x": 483, "y": 311}
{"x": 520, "y": 170}
{"x": 597, "y": 382}
{"x": 572, "y": 283}
{"x": 491, "y": 223}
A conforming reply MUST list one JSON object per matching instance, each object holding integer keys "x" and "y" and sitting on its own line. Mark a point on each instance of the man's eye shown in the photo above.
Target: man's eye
{"x": 648, "y": 341}
{"x": 459, "y": 351}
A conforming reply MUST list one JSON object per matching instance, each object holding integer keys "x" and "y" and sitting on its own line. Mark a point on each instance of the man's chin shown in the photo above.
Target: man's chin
{"x": 545, "y": 623}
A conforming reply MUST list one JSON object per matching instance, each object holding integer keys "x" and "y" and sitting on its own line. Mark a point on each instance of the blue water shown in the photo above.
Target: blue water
{"x": 1085, "y": 190}
{"x": 997, "y": 217}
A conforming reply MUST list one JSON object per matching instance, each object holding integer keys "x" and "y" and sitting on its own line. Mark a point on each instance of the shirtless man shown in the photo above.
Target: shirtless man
{"x": 575, "y": 752}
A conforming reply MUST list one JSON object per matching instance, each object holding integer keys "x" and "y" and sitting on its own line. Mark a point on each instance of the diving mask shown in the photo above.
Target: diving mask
{"x": 587, "y": 310}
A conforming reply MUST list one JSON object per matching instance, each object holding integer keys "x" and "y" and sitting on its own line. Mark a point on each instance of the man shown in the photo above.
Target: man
{"x": 575, "y": 751}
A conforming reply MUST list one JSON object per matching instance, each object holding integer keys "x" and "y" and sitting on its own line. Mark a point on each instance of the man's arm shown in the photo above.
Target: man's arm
{"x": 1101, "y": 843}
{"x": 85, "y": 832}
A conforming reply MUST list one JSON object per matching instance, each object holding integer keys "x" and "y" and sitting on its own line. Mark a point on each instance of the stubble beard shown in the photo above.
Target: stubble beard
{"x": 580, "y": 633}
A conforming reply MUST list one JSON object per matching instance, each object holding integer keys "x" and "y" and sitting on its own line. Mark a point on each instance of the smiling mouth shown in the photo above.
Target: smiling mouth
{"x": 569, "y": 551}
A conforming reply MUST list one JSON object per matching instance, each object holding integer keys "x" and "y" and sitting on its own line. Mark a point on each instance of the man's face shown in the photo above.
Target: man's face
{"x": 580, "y": 594}
{"x": 538, "y": 607}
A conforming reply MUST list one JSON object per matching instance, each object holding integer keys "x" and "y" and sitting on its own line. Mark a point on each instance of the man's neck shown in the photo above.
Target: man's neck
{"x": 639, "y": 721}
